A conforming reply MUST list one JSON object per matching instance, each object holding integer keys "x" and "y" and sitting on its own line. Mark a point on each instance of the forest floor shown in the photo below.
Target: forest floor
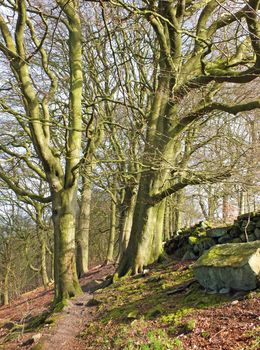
{"x": 165, "y": 309}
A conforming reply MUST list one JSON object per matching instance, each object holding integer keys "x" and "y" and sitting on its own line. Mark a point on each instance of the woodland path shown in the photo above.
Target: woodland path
{"x": 69, "y": 324}
{"x": 74, "y": 317}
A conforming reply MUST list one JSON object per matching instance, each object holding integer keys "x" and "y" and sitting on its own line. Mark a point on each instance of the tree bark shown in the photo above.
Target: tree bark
{"x": 44, "y": 274}
{"x": 145, "y": 244}
{"x": 64, "y": 220}
{"x": 126, "y": 220}
{"x": 111, "y": 242}
{"x": 167, "y": 222}
{"x": 82, "y": 234}
{"x": 6, "y": 285}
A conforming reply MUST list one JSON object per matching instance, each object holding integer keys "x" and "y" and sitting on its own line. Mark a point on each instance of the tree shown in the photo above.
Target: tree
{"x": 198, "y": 63}
{"x": 37, "y": 104}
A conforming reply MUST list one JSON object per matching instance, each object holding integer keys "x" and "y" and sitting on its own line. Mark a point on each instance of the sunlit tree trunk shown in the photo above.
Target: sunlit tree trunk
{"x": 64, "y": 219}
{"x": 6, "y": 284}
{"x": 126, "y": 219}
{"x": 112, "y": 232}
{"x": 167, "y": 222}
{"x": 82, "y": 236}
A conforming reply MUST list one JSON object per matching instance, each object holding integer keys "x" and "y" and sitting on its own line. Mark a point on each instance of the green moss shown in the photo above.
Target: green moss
{"x": 60, "y": 305}
{"x": 193, "y": 240}
{"x": 255, "y": 335}
{"x": 189, "y": 326}
{"x": 176, "y": 317}
{"x": 205, "y": 334}
{"x": 38, "y": 346}
{"x": 233, "y": 254}
{"x": 154, "y": 312}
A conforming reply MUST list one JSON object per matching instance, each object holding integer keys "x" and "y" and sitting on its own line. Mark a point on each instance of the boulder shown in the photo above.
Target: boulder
{"x": 217, "y": 232}
{"x": 224, "y": 239}
{"x": 230, "y": 266}
{"x": 257, "y": 223}
{"x": 257, "y": 233}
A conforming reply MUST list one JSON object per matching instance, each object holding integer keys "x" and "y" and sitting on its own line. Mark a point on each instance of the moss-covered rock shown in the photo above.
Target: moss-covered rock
{"x": 230, "y": 266}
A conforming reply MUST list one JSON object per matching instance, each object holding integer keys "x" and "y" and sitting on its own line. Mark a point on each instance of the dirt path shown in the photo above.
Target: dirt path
{"x": 70, "y": 323}
{"x": 74, "y": 318}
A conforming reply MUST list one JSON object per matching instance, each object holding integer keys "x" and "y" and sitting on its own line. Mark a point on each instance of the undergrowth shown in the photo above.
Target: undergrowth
{"x": 145, "y": 313}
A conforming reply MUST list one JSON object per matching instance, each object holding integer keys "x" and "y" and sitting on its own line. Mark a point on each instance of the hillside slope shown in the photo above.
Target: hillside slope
{"x": 163, "y": 309}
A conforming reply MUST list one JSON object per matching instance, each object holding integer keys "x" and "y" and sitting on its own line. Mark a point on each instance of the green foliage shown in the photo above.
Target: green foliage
{"x": 255, "y": 334}
{"x": 189, "y": 326}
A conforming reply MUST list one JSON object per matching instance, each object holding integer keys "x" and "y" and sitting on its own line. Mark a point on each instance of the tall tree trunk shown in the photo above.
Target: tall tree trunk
{"x": 44, "y": 274}
{"x": 64, "y": 220}
{"x": 225, "y": 207}
{"x": 178, "y": 216}
{"x": 167, "y": 221}
{"x": 41, "y": 234}
{"x": 6, "y": 284}
{"x": 82, "y": 234}
{"x": 145, "y": 244}
{"x": 111, "y": 242}
{"x": 126, "y": 219}
{"x": 211, "y": 207}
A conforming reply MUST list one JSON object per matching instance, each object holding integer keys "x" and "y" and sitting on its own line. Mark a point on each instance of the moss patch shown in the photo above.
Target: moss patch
{"x": 144, "y": 313}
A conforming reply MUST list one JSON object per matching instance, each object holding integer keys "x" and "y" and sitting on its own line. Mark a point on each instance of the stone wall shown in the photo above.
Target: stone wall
{"x": 192, "y": 242}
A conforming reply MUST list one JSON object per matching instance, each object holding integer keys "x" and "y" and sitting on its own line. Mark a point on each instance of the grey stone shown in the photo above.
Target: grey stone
{"x": 234, "y": 232}
{"x": 224, "y": 239}
{"x": 93, "y": 302}
{"x": 257, "y": 224}
{"x": 236, "y": 240}
{"x": 231, "y": 266}
{"x": 251, "y": 238}
{"x": 203, "y": 244}
{"x": 189, "y": 255}
{"x": 36, "y": 337}
{"x": 242, "y": 237}
{"x": 257, "y": 233}
{"x": 224, "y": 290}
{"x": 217, "y": 232}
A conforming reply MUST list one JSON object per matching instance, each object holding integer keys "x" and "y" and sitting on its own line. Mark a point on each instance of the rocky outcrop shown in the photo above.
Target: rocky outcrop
{"x": 229, "y": 267}
{"x": 191, "y": 243}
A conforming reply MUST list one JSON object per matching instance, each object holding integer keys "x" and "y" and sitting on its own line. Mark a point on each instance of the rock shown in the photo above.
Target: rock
{"x": 36, "y": 337}
{"x": 251, "y": 238}
{"x": 234, "y": 232}
{"x": 242, "y": 237}
{"x": 224, "y": 239}
{"x": 236, "y": 240}
{"x": 93, "y": 302}
{"x": 205, "y": 244}
{"x": 8, "y": 325}
{"x": 257, "y": 224}
{"x": 234, "y": 302}
{"x": 231, "y": 266}
{"x": 217, "y": 232}
{"x": 189, "y": 255}
{"x": 224, "y": 290}
{"x": 257, "y": 233}
{"x": 193, "y": 240}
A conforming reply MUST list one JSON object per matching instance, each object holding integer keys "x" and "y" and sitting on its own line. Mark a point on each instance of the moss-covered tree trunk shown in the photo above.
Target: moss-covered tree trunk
{"x": 82, "y": 236}
{"x": 6, "y": 284}
{"x": 126, "y": 219}
{"x": 64, "y": 219}
{"x": 112, "y": 232}
{"x": 62, "y": 175}
{"x": 145, "y": 244}
{"x": 44, "y": 274}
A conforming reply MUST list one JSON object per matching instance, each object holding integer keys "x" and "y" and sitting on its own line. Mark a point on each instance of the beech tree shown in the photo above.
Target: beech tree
{"x": 37, "y": 103}
{"x": 200, "y": 60}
